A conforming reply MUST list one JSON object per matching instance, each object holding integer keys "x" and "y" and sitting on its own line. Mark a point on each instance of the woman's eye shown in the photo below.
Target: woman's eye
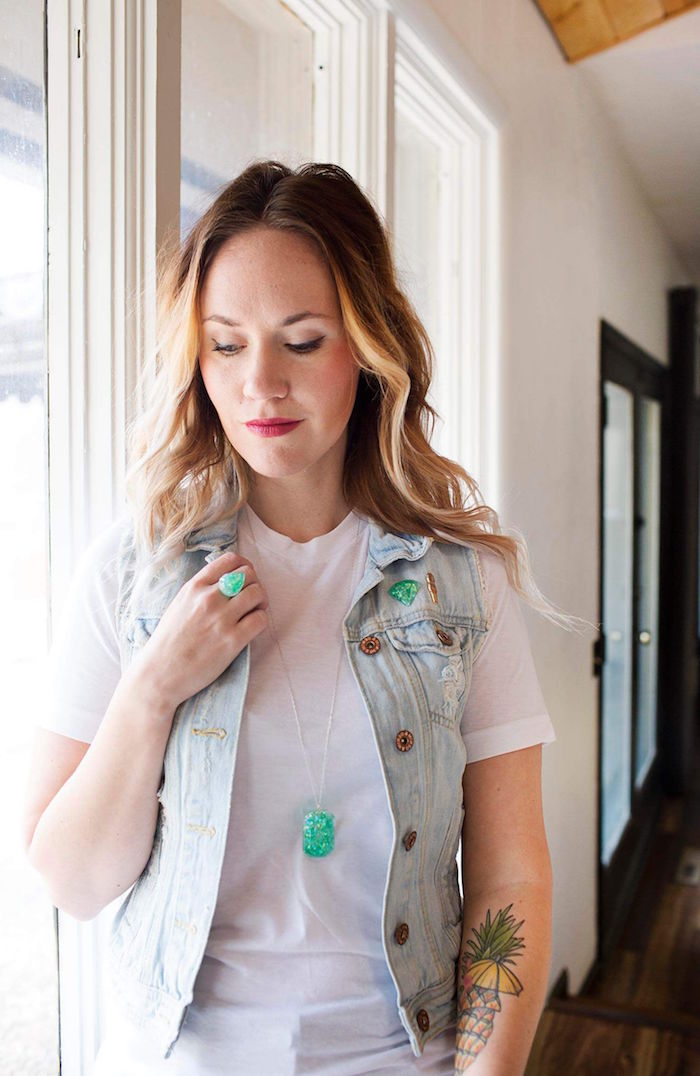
{"x": 228, "y": 349}
{"x": 308, "y": 345}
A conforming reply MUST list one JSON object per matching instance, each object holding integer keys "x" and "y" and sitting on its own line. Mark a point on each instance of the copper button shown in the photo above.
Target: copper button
{"x": 370, "y": 644}
{"x": 401, "y": 933}
{"x": 404, "y": 740}
{"x": 423, "y": 1020}
{"x": 410, "y": 839}
{"x": 443, "y": 636}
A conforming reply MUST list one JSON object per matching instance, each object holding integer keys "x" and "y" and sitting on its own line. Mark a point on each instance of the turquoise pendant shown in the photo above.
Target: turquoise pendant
{"x": 405, "y": 590}
{"x": 319, "y": 833}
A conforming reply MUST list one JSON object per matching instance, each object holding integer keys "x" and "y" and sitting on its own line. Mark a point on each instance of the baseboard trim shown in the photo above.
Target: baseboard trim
{"x": 598, "y": 1009}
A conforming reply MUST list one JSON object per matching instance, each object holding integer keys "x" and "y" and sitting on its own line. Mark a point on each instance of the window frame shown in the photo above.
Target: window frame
{"x": 109, "y": 174}
{"x": 445, "y": 112}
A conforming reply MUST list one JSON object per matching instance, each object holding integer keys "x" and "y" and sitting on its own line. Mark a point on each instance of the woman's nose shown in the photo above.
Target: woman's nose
{"x": 264, "y": 374}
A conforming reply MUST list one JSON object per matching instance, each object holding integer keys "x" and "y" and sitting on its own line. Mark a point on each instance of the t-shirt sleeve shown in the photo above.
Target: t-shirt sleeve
{"x": 84, "y": 664}
{"x": 505, "y": 709}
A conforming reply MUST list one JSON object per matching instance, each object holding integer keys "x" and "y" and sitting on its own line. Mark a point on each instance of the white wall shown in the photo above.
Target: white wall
{"x": 580, "y": 243}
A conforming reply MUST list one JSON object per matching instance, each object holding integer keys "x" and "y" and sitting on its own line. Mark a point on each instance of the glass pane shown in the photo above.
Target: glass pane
{"x": 28, "y": 978}
{"x": 648, "y": 634}
{"x": 617, "y": 615}
{"x": 417, "y": 231}
{"x": 247, "y": 92}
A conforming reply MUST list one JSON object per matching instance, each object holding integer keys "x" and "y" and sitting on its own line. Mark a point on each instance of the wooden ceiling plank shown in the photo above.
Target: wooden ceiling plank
{"x": 581, "y": 28}
{"x": 630, "y": 17}
{"x": 675, "y": 7}
{"x": 586, "y": 27}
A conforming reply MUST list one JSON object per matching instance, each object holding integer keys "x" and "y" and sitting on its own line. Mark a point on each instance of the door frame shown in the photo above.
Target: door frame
{"x": 681, "y": 671}
{"x": 626, "y": 364}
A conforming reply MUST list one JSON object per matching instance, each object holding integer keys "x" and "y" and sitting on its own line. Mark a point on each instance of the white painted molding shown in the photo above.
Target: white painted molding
{"x": 462, "y": 76}
{"x": 352, "y": 88}
{"x": 113, "y": 191}
{"x": 113, "y": 194}
{"x": 446, "y": 108}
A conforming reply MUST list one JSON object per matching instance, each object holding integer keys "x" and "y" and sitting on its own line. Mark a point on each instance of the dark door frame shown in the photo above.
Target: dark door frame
{"x": 626, "y": 364}
{"x": 681, "y": 630}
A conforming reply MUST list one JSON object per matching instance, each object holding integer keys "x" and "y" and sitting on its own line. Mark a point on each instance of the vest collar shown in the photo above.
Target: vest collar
{"x": 384, "y": 546}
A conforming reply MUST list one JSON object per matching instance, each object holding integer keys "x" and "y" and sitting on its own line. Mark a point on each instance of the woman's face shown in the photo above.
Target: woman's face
{"x": 255, "y": 366}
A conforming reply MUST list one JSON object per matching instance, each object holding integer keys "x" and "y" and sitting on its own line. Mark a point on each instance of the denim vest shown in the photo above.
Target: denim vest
{"x": 412, "y": 663}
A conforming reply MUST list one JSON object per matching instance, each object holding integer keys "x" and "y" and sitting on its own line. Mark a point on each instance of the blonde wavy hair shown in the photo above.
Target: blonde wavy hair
{"x": 183, "y": 474}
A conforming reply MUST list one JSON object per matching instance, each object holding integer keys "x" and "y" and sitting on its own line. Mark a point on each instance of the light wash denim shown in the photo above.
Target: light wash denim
{"x": 414, "y": 683}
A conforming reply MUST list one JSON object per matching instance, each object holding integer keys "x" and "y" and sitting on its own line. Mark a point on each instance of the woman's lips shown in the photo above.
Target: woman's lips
{"x": 272, "y": 429}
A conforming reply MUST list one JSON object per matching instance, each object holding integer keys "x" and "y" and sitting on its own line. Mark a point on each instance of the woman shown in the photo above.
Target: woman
{"x": 266, "y": 685}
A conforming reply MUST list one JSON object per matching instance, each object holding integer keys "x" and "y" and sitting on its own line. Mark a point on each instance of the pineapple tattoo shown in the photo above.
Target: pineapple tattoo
{"x": 482, "y": 975}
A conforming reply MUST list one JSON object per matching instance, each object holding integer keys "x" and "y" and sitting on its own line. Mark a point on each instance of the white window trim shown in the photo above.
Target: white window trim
{"x": 468, "y": 144}
{"x": 113, "y": 174}
{"x": 110, "y": 175}
{"x": 451, "y": 71}
{"x": 360, "y": 48}
{"x": 353, "y": 89}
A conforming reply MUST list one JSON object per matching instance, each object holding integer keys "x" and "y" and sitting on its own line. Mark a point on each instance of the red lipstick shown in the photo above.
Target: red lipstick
{"x": 273, "y": 427}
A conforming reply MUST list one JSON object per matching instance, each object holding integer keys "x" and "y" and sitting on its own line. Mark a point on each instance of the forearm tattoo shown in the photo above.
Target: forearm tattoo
{"x": 482, "y": 975}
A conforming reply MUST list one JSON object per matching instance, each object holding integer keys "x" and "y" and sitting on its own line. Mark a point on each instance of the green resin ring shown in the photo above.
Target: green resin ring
{"x": 231, "y": 582}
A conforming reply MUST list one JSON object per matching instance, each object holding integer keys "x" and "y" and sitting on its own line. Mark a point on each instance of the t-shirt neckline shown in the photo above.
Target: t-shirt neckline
{"x": 323, "y": 547}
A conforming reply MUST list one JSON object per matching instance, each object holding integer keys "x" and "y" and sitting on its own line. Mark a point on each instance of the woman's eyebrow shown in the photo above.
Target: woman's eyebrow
{"x": 290, "y": 320}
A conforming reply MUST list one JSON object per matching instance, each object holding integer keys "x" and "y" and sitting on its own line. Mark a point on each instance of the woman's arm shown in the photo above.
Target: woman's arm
{"x": 506, "y": 936}
{"x": 95, "y": 837}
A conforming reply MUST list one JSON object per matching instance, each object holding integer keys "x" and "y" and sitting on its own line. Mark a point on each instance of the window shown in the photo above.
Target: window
{"x": 445, "y": 195}
{"x": 246, "y": 92}
{"x": 28, "y": 976}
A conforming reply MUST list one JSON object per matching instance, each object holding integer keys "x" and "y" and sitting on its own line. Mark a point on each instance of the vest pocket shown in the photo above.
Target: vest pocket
{"x": 441, "y": 663}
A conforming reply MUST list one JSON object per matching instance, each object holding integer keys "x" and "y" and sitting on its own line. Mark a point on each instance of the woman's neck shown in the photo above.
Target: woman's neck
{"x": 301, "y": 523}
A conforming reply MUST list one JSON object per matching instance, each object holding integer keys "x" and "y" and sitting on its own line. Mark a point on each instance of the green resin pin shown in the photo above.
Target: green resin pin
{"x": 405, "y": 590}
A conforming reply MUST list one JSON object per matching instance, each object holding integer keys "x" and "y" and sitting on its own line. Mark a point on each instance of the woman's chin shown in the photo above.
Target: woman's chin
{"x": 267, "y": 468}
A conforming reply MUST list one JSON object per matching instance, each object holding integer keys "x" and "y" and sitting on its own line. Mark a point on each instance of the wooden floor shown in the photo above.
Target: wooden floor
{"x": 640, "y": 1016}
{"x": 571, "y": 1045}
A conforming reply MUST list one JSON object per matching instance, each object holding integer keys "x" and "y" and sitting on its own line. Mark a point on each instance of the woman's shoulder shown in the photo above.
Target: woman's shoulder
{"x": 106, "y": 541}
{"x": 491, "y": 563}
{"x": 99, "y": 561}
{"x": 493, "y": 567}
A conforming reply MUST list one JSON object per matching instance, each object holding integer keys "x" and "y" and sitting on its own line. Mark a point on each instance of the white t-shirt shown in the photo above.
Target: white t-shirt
{"x": 294, "y": 977}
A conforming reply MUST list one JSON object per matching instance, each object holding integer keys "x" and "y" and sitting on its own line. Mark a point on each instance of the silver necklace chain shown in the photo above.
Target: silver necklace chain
{"x": 289, "y": 682}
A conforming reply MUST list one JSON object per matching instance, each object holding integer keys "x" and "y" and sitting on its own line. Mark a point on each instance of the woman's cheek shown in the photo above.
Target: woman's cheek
{"x": 339, "y": 380}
